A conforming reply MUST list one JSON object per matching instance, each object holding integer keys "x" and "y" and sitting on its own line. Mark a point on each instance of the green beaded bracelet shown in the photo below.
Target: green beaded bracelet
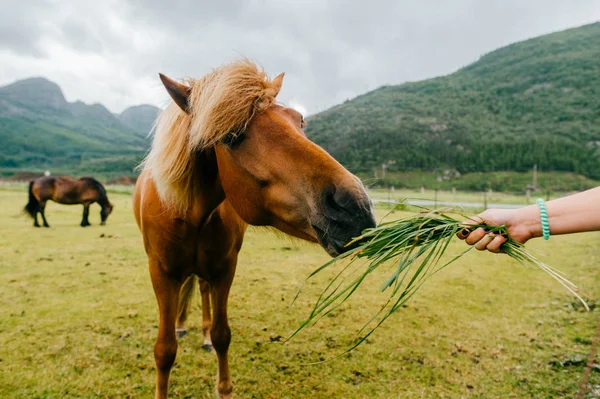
{"x": 544, "y": 217}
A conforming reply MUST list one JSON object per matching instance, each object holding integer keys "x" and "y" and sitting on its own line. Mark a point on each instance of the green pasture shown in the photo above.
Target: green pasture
{"x": 78, "y": 319}
{"x": 456, "y": 196}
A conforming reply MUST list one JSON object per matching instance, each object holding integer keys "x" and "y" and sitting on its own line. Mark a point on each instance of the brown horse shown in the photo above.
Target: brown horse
{"x": 69, "y": 191}
{"x": 225, "y": 155}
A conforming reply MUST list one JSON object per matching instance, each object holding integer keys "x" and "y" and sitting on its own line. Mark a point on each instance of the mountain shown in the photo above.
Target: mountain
{"x": 40, "y": 129}
{"x": 26, "y": 95}
{"x": 535, "y": 102}
{"x": 140, "y": 117}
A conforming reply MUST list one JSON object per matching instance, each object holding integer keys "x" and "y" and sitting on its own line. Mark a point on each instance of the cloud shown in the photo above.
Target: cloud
{"x": 22, "y": 26}
{"x": 111, "y": 51}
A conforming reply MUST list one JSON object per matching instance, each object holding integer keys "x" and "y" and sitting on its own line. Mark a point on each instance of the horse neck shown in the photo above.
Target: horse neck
{"x": 208, "y": 192}
{"x": 103, "y": 199}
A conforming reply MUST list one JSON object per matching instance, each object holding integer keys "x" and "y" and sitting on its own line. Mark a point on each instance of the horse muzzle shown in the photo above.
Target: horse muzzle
{"x": 342, "y": 216}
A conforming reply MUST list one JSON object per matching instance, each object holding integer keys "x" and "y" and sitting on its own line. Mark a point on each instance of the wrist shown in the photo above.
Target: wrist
{"x": 544, "y": 218}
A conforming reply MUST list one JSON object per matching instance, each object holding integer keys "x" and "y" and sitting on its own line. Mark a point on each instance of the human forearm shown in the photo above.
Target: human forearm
{"x": 574, "y": 214}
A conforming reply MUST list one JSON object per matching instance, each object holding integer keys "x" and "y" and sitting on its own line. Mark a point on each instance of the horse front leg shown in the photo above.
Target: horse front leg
{"x": 43, "y": 213}
{"x": 35, "y": 218}
{"x": 165, "y": 350}
{"x": 86, "y": 212}
{"x": 220, "y": 332}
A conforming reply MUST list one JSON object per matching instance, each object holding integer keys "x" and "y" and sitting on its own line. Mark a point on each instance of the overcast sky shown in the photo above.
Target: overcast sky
{"x": 111, "y": 51}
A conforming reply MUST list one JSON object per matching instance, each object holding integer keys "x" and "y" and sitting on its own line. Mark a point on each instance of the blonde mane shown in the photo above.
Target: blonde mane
{"x": 223, "y": 101}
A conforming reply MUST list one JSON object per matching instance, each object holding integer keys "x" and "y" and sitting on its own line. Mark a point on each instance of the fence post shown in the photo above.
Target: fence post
{"x": 485, "y": 200}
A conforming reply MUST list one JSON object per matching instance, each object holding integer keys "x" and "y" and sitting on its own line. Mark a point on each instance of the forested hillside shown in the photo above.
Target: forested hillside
{"x": 536, "y": 102}
{"x": 40, "y": 129}
{"x": 533, "y": 102}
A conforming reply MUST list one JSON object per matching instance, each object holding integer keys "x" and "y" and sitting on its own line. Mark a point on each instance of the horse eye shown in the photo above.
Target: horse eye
{"x": 233, "y": 139}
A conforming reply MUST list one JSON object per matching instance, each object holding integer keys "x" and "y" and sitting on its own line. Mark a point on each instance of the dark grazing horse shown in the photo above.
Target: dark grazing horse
{"x": 69, "y": 191}
{"x": 225, "y": 155}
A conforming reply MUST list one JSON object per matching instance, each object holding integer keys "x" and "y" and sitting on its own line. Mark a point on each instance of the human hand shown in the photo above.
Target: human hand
{"x": 519, "y": 229}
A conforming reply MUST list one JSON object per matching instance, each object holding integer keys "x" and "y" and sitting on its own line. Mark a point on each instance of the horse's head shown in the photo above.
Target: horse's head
{"x": 106, "y": 210}
{"x": 273, "y": 175}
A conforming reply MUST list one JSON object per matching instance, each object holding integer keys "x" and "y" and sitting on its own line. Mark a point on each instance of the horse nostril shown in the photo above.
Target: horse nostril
{"x": 339, "y": 204}
{"x": 330, "y": 202}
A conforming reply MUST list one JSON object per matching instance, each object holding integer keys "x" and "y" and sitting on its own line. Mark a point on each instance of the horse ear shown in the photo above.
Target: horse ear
{"x": 178, "y": 92}
{"x": 277, "y": 83}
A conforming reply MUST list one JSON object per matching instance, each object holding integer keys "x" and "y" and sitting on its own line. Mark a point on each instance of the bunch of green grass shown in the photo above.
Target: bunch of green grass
{"x": 412, "y": 248}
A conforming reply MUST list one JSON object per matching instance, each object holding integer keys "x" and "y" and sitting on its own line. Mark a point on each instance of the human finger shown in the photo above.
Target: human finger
{"x": 496, "y": 243}
{"x": 464, "y": 233}
{"x": 468, "y": 227}
{"x": 475, "y": 236}
{"x": 483, "y": 243}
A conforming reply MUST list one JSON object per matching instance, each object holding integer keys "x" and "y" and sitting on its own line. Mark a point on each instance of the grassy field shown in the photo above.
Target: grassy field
{"x": 460, "y": 196}
{"x": 78, "y": 319}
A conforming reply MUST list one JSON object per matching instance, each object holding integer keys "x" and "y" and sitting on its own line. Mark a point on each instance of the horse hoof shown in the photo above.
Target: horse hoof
{"x": 180, "y": 332}
{"x": 208, "y": 347}
{"x": 224, "y": 396}
{"x": 36, "y": 225}
{"x": 46, "y": 225}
